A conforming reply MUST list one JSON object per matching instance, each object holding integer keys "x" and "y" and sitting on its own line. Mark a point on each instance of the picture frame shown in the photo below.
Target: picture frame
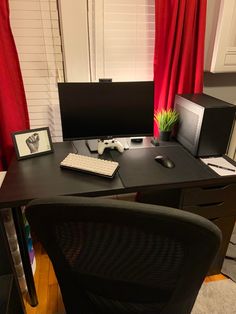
{"x": 32, "y": 143}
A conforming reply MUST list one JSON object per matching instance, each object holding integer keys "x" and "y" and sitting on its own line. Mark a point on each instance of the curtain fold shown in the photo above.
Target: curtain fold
{"x": 179, "y": 49}
{"x": 13, "y": 107}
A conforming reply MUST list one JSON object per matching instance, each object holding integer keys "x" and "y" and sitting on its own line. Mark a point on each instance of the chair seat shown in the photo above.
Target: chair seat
{"x": 119, "y": 257}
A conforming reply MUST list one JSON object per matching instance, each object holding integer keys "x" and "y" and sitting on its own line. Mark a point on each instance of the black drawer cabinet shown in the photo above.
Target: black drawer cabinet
{"x": 214, "y": 202}
{"x": 210, "y": 202}
{"x": 218, "y": 204}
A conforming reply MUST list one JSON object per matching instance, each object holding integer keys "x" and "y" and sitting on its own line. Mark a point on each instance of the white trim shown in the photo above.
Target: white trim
{"x": 73, "y": 21}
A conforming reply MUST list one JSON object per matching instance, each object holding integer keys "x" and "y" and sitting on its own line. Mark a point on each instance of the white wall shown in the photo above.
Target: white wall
{"x": 213, "y": 7}
{"x": 219, "y": 85}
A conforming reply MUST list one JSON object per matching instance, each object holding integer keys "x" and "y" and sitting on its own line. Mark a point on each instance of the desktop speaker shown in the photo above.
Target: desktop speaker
{"x": 205, "y": 124}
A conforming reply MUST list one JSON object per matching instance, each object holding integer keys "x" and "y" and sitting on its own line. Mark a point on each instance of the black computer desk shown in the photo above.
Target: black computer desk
{"x": 200, "y": 189}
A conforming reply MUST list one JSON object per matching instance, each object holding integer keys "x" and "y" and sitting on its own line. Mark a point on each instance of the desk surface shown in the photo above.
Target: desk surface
{"x": 139, "y": 167}
{"x": 42, "y": 176}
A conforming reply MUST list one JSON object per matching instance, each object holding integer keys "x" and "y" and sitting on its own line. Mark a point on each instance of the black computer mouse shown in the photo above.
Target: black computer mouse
{"x": 165, "y": 161}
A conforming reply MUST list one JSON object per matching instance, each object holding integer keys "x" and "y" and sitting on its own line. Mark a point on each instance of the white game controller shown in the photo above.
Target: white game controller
{"x": 102, "y": 144}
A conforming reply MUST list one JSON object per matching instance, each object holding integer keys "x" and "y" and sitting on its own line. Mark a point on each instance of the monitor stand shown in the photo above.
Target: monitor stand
{"x": 99, "y": 145}
{"x": 92, "y": 145}
{"x": 127, "y": 143}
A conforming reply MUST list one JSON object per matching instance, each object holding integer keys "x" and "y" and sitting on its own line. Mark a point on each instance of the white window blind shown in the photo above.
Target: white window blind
{"x": 122, "y": 39}
{"x": 36, "y": 32}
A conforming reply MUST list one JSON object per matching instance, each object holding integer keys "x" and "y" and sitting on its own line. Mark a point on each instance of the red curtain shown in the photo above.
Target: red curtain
{"x": 13, "y": 108}
{"x": 179, "y": 49}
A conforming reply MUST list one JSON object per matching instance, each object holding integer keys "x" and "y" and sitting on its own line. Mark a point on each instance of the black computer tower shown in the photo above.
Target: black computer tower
{"x": 205, "y": 124}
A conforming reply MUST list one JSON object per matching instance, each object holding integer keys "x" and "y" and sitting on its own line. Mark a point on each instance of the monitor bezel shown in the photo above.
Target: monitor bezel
{"x": 110, "y": 136}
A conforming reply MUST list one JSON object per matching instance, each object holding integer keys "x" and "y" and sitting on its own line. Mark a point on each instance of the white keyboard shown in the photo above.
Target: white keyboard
{"x": 101, "y": 167}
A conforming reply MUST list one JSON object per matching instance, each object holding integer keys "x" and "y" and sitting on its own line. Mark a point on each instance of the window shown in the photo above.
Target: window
{"x": 118, "y": 44}
{"x": 122, "y": 39}
{"x": 36, "y": 32}
{"x": 108, "y": 39}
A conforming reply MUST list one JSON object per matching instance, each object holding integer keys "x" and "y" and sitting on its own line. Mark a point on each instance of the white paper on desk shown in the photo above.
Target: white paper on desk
{"x": 220, "y": 161}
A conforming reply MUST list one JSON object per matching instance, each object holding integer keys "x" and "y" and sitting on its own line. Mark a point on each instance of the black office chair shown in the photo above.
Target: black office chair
{"x": 117, "y": 257}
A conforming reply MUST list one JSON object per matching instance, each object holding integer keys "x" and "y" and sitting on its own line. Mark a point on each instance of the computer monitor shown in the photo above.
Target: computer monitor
{"x": 106, "y": 110}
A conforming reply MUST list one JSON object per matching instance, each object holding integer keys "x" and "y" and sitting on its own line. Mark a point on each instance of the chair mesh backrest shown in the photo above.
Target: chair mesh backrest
{"x": 116, "y": 259}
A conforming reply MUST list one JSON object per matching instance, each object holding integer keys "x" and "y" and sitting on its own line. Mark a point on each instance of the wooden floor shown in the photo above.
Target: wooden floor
{"x": 48, "y": 291}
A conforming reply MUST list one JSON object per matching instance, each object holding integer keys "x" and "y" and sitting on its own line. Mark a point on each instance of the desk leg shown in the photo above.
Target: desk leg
{"x": 20, "y": 232}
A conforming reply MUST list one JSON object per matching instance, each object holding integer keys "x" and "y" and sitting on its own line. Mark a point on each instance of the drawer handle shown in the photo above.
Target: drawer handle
{"x": 220, "y": 187}
{"x": 211, "y": 204}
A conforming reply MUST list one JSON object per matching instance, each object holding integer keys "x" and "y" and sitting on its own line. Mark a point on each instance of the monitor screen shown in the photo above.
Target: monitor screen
{"x": 106, "y": 110}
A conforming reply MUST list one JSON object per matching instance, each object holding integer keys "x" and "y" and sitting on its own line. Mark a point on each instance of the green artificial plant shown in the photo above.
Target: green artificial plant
{"x": 166, "y": 119}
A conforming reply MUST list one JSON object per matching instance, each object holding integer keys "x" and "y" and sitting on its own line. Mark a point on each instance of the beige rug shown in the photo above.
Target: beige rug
{"x": 217, "y": 297}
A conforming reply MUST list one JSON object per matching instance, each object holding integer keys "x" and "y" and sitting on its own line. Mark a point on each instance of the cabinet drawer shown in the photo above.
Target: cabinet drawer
{"x": 211, "y": 211}
{"x": 210, "y": 202}
{"x": 209, "y": 194}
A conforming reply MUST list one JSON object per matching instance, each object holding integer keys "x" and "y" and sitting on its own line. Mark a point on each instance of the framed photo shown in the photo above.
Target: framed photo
{"x": 32, "y": 143}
